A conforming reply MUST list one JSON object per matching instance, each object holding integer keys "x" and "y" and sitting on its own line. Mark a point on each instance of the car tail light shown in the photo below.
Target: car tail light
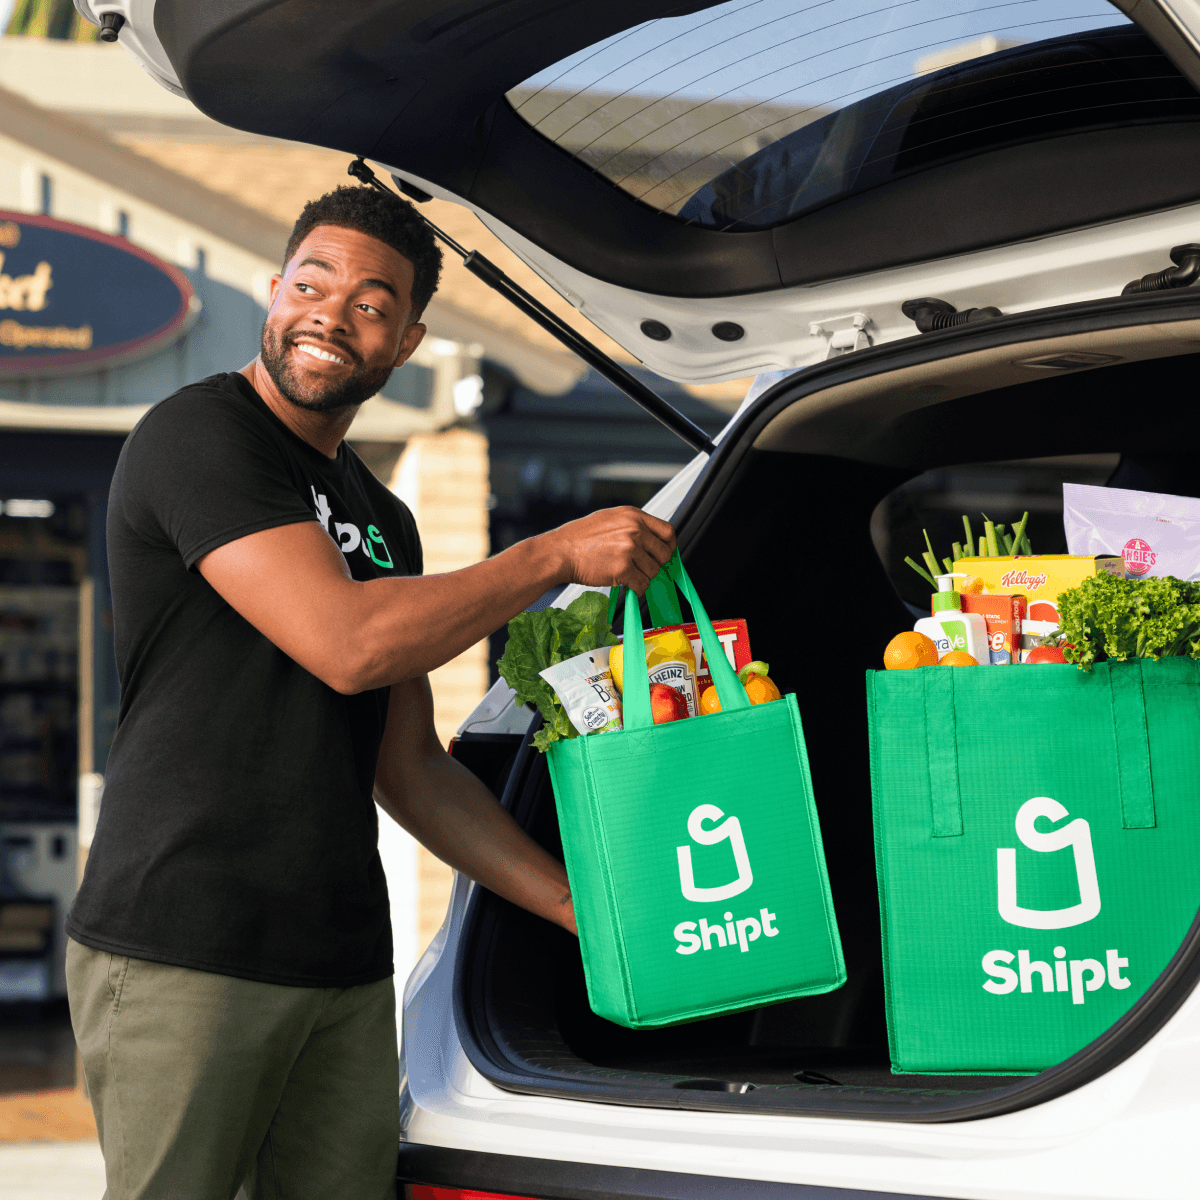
{"x": 418, "y": 1191}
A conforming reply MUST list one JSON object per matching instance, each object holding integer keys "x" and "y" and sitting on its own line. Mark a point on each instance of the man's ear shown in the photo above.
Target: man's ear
{"x": 410, "y": 339}
{"x": 276, "y": 284}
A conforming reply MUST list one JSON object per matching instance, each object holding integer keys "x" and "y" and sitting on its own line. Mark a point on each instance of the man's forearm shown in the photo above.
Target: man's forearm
{"x": 454, "y": 816}
{"x": 408, "y": 626}
{"x": 292, "y": 584}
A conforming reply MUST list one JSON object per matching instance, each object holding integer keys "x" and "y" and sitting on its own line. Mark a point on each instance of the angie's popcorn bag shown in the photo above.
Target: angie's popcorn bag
{"x": 1155, "y": 535}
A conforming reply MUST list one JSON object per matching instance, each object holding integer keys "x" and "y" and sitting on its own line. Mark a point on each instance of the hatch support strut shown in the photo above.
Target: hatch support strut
{"x": 595, "y": 358}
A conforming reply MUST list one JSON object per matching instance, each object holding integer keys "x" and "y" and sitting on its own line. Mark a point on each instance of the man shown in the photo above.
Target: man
{"x": 230, "y": 968}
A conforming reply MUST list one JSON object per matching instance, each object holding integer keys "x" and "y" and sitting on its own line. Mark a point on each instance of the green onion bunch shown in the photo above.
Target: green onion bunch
{"x": 994, "y": 542}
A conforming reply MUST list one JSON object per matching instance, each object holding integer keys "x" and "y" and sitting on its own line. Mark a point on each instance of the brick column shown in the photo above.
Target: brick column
{"x": 443, "y": 478}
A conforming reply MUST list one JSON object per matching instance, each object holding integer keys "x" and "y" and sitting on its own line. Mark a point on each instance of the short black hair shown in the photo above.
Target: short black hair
{"x": 388, "y": 218}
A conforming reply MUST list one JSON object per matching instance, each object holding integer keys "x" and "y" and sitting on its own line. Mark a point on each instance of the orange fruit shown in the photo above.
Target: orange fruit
{"x": 958, "y": 658}
{"x": 909, "y": 649}
{"x": 973, "y": 586}
{"x": 761, "y": 689}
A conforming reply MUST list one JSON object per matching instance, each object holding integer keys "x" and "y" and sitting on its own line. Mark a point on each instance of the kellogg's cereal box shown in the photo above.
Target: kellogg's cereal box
{"x": 1035, "y": 576}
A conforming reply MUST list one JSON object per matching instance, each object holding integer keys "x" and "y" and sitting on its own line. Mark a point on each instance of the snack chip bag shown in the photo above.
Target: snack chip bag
{"x": 584, "y": 684}
{"x": 1155, "y": 534}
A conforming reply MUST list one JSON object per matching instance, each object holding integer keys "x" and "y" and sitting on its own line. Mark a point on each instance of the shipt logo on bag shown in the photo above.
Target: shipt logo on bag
{"x": 1077, "y": 975}
{"x": 729, "y": 931}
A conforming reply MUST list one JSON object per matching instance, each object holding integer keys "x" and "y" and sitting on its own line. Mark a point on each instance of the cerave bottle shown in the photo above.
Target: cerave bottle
{"x": 952, "y": 629}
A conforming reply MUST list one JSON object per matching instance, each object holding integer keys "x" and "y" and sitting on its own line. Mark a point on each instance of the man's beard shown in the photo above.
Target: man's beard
{"x": 360, "y": 385}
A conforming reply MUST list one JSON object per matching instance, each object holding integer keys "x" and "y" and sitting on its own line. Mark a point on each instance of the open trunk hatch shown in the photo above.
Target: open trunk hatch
{"x": 830, "y": 478}
{"x": 698, "y": 179}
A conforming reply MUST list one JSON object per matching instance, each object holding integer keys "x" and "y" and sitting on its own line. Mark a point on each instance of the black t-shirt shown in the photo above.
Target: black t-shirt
{"x": 237, "y": 832}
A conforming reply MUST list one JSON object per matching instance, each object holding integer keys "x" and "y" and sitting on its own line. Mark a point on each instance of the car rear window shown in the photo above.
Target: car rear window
{"x": 936, "y": 501}
{"x": 749, "y": 113}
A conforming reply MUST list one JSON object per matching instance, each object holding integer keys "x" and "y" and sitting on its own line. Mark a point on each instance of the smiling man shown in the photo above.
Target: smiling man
{"x": 230, "y": 962}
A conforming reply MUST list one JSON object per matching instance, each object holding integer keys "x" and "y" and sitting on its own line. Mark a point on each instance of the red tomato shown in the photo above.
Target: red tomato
{"x": 1046, "y": 654}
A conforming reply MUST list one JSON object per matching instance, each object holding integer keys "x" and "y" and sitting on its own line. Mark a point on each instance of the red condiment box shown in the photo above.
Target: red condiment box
{"x": 733, "y": 637}
{"x": 1004, "y": 617}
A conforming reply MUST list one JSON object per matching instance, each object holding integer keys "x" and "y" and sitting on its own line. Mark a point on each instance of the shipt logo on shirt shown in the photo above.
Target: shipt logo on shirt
{"x": 349, "y": 538}
{"x": 728, "y": 931}
{"x": 1078, "y": 975}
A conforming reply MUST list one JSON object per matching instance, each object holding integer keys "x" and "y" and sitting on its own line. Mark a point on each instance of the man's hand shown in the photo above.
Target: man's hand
{"x": 614, "y": 545}
{"x": 452, "y": 814}
{"x": 292, "y": 585}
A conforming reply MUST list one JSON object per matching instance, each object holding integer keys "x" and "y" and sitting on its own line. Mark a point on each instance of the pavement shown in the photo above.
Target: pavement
{"x": 51, "y": 1171}
{"x": 48, "y": 1147}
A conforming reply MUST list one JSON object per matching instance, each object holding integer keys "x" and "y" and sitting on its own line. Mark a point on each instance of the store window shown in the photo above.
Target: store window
{"x": 43, "y": 572}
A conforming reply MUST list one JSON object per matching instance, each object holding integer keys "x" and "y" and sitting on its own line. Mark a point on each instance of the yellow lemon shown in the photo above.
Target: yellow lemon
{"x": 614, "y": 665}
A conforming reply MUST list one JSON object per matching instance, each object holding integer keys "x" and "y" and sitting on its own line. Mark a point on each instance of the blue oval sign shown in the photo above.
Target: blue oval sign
{"x": 74, "y": 299}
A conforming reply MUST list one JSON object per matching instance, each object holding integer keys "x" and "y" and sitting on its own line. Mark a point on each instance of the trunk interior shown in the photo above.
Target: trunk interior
{"x": 809, "y": 549}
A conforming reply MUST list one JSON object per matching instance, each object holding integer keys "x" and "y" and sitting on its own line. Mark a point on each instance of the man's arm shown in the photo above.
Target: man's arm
{"x": 291, "y": 583}
{"x": 449, "y": 811}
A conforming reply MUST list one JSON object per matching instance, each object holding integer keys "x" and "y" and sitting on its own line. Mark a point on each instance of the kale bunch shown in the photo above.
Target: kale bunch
{"x": 537, "y": 640}
{"x": 1119, "y": 619}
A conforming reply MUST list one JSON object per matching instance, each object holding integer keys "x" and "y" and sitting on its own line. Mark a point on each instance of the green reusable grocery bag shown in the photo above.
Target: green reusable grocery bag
{"x": 1037, "y": 842}
{"x": 693, "y": 851}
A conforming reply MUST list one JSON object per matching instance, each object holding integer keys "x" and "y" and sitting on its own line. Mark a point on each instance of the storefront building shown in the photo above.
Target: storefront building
{"x": 493, "y": 432}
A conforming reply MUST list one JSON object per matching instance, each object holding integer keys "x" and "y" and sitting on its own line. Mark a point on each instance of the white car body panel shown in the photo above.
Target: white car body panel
{"x": 1125, "y": 1136}
{"x": 1183, "y": 14}
{"x": 137, "y": 37}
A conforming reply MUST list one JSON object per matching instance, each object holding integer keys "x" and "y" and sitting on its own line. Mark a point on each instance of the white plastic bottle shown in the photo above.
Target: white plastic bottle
{"x": 950, "y": 627}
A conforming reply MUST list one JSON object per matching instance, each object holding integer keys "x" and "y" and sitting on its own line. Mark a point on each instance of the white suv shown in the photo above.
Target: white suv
{"x": 917, "y": 222}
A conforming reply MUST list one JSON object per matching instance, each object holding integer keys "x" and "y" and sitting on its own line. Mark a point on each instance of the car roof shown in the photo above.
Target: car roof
{"x": 433, "y": 89}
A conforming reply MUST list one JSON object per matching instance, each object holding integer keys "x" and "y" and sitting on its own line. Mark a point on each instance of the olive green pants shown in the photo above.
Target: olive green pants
{"x": 203, "y": 1083}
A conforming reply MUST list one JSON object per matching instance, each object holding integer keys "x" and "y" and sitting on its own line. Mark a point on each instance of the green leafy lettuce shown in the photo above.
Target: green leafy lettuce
{"x": 537, "y": 640}
{"x": 1119, "y": 619}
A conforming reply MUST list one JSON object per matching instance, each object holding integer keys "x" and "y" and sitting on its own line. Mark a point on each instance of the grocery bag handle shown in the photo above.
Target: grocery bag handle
{"x": 635, "y": 700}
{"x": 941, "y": 751}
{"x": 661, "y": 598}
{"x": 1132, "y": 745}
{"x": 663, "y": 601}
{"x": 1130, "y": 740}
